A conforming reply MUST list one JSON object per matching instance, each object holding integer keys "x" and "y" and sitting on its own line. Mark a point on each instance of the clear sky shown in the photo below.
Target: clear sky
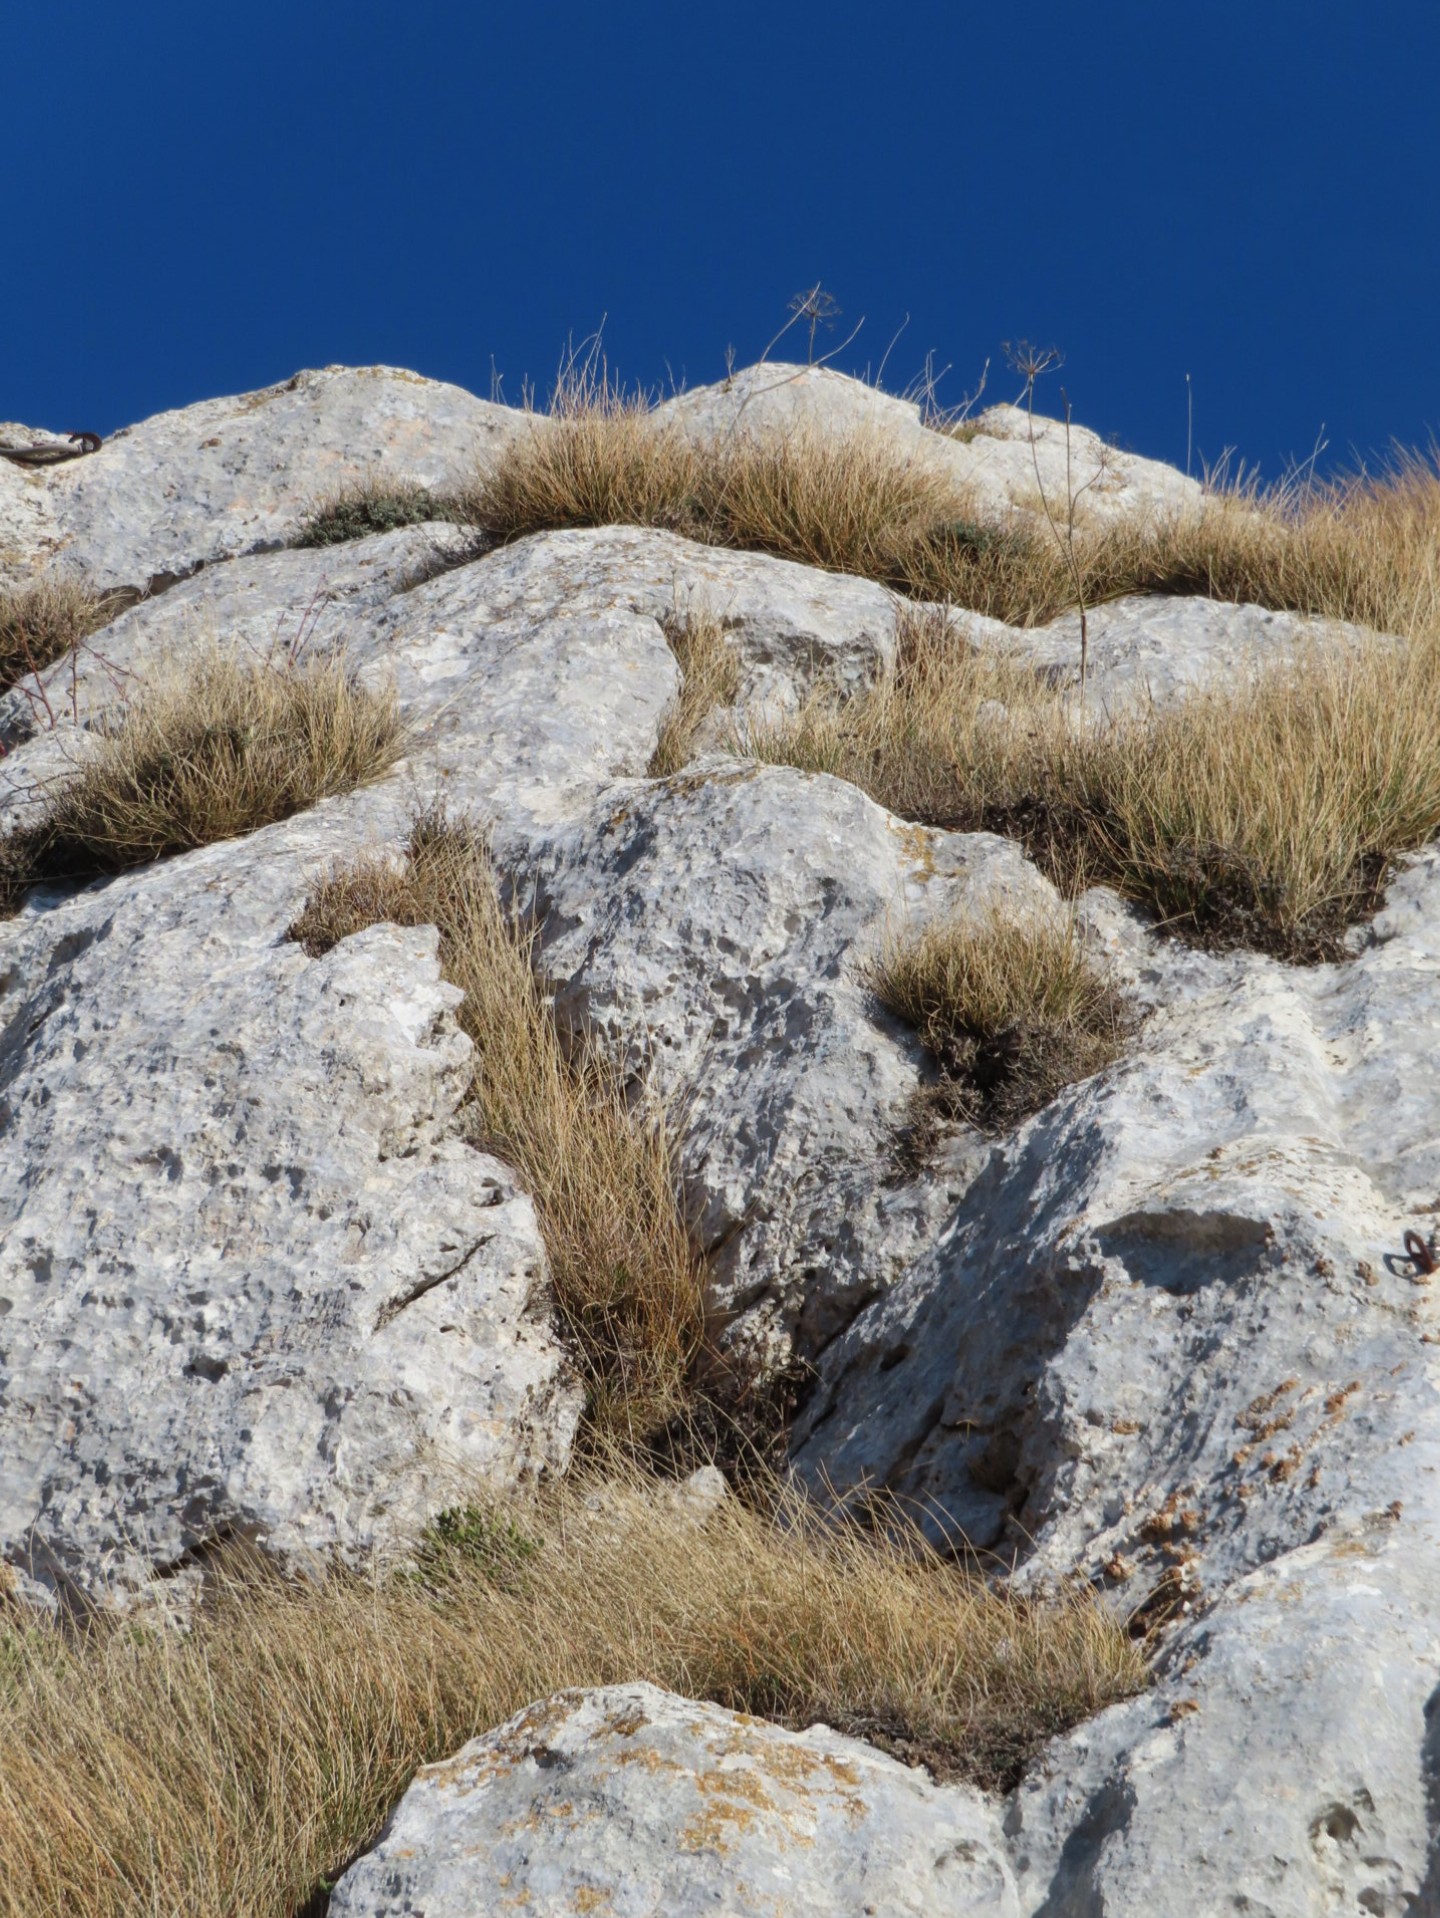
{"x": 203, "y": 197}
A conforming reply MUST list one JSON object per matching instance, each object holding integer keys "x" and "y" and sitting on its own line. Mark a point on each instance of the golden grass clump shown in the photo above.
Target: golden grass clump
{"x": 41, "y": 622}
{"x": 228, "y": 1771}
{"x": 1012, "y": 1008}
{"x": 599, "y": 458}
{"x": 1263, "y": 812}
{"x": 1365, "y": 548}
{"x": 710, "y": 678}
{"x": 223, "y": 748}
{"x": 627, "y": 1277}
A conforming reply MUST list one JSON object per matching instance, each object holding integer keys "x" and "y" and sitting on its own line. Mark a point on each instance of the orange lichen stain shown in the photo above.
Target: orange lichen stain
{"x": 917, "y": 848}
{"x": 590, "y": 1898}
{"x": 715, "y": 1828}
{"x": 1125, "y": 1428}
{"x": 627, "y": 1725}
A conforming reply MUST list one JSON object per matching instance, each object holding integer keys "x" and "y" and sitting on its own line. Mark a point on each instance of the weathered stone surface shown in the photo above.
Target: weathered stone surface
{"x": 716, "y": 926}
{"x": 994, "y": 460}
{"x": 1164, "y": 1336}
{"x": 632, "y": 1801}
{"x": 1170, "y": 1334}
{"x": 510, "y": 710}
{"x": 995, "y": 455}
{"x": 239, "y": 475}
{"x": 250, "y": 1282}
{"x": 1154, "y": 650}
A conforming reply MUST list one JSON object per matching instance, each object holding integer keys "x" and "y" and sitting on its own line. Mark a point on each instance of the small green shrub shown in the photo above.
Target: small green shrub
{"x": 375, "y": 505}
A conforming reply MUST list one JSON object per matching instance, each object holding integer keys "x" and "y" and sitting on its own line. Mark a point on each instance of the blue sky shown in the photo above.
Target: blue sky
{"x": 202, "y": 199}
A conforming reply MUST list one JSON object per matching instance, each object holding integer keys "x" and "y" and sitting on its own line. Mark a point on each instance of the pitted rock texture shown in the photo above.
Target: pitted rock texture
{"x": 631, "y": 1801}
{"x": 1163, "y": 1337}
{"x": 251, "y": 1283}
{"x": 224, "y": 477}
{"x": 716, "y": 927}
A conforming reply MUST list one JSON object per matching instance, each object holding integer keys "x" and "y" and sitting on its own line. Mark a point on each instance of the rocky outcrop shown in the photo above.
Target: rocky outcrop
{"x": 1165, "y": 1337}
{"x": 991, "y": 458}
{"x": 632, "y": 1800}
{"x": 252, "y": 1286}
{"x": 716, "y": 928}
{"x": 161, "y": 499}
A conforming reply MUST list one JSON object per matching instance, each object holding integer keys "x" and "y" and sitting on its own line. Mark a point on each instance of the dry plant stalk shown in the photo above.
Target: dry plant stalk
{"x": 710, "y": 679}
{"x": 225, "y": 747}
{"x": 225, "y": 1772}
{"x": 627, "y": 1277}
{"x": 1012, "y": 1008}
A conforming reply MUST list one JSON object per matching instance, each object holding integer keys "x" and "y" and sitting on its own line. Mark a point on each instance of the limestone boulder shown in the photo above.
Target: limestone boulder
{"x": 239, "y": 475}
{"x": 1151, "y": 649}
{"x": 251, "y": 1283}
{"x": 715, "y": 928}
{"x": 632, "y": 1801}
{"x": 990, "y": 458}
{"x": 1171, "y": 1338}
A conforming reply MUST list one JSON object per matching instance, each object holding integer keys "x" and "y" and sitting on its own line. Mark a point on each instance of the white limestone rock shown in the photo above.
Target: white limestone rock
{"x": 239, "y": 475}
{"x": 991, "y": 459}
{"x": 251, "y": 1284}
{"x": 509, "y": 709}
{"x": 1169, "y": 1339}
{"x": 715, "y": 927}
{"x": 1152, "y": 650}
{"x": 631, "y": 1801}
{"x": 994, "y": 455}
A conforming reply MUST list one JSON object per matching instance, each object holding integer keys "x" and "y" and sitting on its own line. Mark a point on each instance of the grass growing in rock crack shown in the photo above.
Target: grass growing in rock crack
{"x": 1013, "y": 1009}
{"x": 223, "y": 748}
{"x": 227, "y": 1771}
{"x": 710, "y": 672}
{"x": 375, "y": 504}
{"x": 627, "y": 1277}
{"x": 42, "y": 621}
{"x": 1264, "y": 812}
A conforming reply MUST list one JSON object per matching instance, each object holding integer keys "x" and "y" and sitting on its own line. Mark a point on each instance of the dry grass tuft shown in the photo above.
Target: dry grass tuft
{"x": 227, "y": 1772}
{"x": 1013, "y": 1009}
{"x": 627, "y": 1278}
{"x": 710, "y": 673}
{"x": 41, "y": 622}
{"x": 1266, "y": 812}
{"x": 222, "y": 749}
{"x": 373, "y": 505}
{"x": 598, "y": 459}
